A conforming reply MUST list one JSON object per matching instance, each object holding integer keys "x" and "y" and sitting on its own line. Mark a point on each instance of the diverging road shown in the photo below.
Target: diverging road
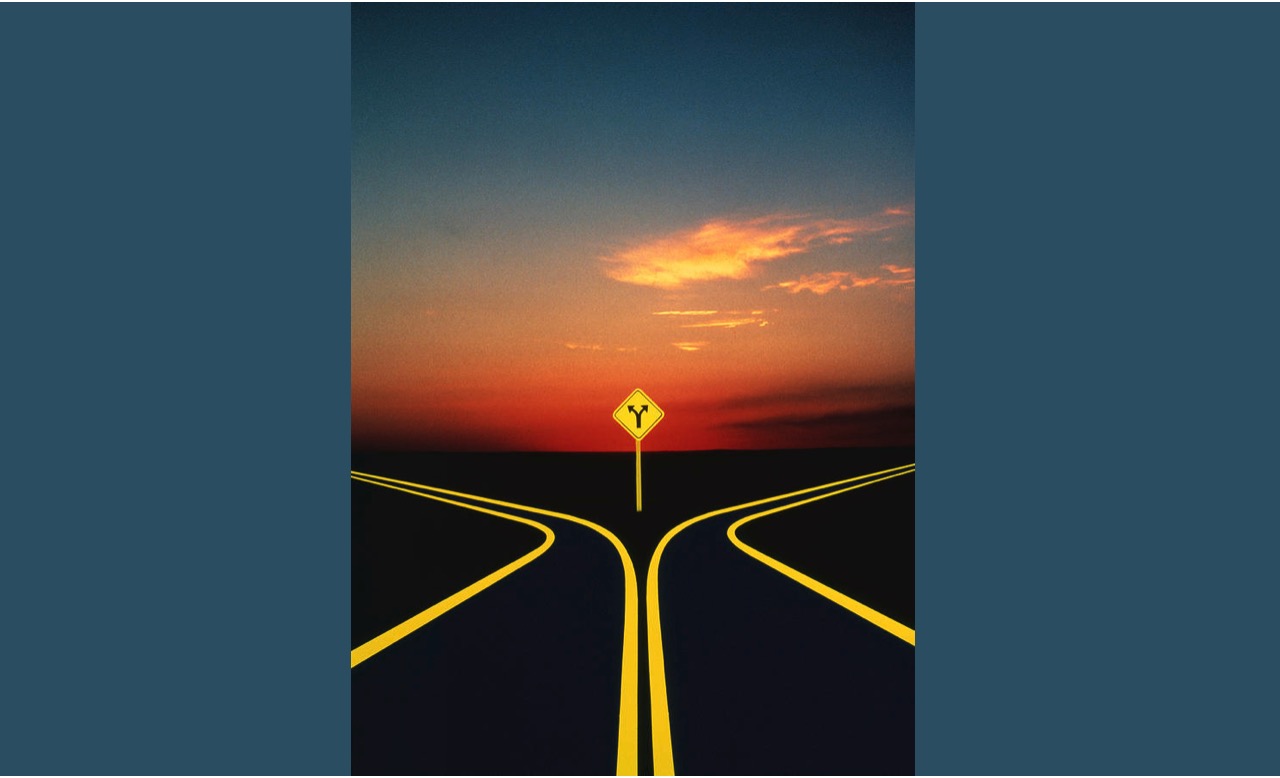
{"x": 776, "y": 639}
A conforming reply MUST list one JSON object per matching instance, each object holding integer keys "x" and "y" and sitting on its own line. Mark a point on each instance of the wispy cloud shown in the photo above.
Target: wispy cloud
{"x": 821, "y": 283}
{"x": 709, "y": 313}
{"x": 840, "y": 280}
{"x": 870, "y": 394}
{"x": 733, "y": 248}
{"x": 887, "y": 426}
{"x": 727, "y": 323}
{"x": 902, "y": 276}
{"x": 702, "y": 320}
{"x": 600, "y": 347}
{"x": 691, "y": 345}
{"x": 870, "y": 413}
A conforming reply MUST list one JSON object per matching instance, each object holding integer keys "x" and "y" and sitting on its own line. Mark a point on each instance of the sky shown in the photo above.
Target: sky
{"x": 554, "y": 205}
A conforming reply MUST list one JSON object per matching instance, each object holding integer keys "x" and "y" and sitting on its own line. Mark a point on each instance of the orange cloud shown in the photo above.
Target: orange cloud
{"x": 742, "y": 319}
{"x": 691, "y": 345}
{"x": 584, "y": 346}
{"x": 727, "y": 323}
{"x": 731, "y": 249}
{"x": 821, "y": 283}
{"x": 709, "y": 313}
{"x": 908, "y": 275}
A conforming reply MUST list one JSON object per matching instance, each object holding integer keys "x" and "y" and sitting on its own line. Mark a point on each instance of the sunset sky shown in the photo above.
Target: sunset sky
{"x": 555, "y": 205}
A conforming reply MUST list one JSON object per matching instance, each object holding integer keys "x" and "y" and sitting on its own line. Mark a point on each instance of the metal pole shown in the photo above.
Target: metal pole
{"x": 637, "y": 475}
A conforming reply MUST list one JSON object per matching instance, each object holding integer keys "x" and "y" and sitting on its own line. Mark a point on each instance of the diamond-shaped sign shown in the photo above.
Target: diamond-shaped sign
{"x": 638, "y": 414}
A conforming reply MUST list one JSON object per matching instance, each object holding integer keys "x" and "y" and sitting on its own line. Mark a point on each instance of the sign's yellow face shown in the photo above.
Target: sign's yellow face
{"x": 638, "y": 414}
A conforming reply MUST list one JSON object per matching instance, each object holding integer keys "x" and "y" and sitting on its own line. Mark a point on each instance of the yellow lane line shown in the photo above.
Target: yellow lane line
{"x": 872, "y": 615}
{"x": 405, "y": 628}
{"x": 629, "y": 706}
{"x": 663, "y": 759}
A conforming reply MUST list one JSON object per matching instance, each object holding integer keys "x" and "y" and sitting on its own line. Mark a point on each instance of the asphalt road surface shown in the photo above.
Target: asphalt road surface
{"x": 765, "y": 675}
{"x": 493, "y": 635}
{"x": 521, "y": 676}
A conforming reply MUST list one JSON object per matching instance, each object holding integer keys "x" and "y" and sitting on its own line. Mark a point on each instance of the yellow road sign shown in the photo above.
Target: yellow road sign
{"x": 638, "y": 414}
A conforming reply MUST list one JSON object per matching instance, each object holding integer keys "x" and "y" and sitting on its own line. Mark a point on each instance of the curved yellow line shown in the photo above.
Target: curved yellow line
{"x": 629, "y": 706}
{"x": 405, "y": 628}
{"x": 872, "y": 615}
{"x": 663, "y": 758}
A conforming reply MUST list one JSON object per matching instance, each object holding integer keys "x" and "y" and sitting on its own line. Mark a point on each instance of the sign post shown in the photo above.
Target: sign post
{"x": 637, "y": 415}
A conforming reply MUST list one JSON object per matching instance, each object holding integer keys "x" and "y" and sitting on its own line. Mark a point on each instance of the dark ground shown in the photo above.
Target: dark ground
{"x": 601, "y": 487}
{"x": 522, "y": 679}
{"x": 861, "y": 544}
{"x": 408, "y": 553}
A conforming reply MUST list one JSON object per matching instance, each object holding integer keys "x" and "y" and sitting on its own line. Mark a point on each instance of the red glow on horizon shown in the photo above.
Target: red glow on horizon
{"x": 584, "y": 423}
{"x": 456, "y": 356}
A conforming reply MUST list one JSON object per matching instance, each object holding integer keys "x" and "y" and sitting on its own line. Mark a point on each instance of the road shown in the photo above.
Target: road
{"x": 530, "y": 670}
{"x": 766, "y": 670}
{"x": 782, "y": 644}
